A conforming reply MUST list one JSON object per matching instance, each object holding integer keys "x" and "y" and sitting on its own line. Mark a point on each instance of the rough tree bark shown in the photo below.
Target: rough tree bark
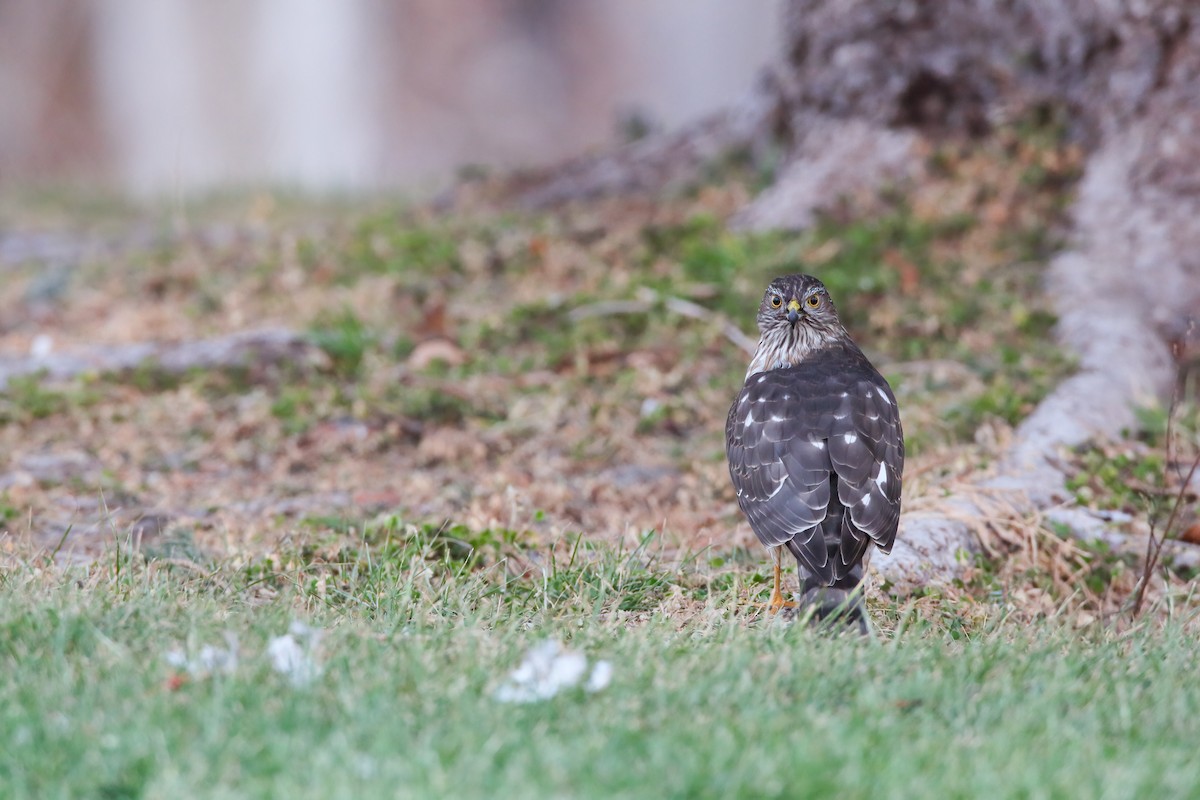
{"x": 861, "y": 83}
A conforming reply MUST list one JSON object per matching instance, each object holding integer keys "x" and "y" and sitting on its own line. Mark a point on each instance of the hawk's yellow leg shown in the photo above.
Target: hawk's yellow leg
{"x": 777, "y": 602}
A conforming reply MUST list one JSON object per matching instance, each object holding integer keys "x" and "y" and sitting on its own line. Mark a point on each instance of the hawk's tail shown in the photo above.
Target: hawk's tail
{"x": 838, "y": 606}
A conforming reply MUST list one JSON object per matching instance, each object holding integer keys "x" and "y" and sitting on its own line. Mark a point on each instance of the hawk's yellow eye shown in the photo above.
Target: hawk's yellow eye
{"x": 776, "y": 301}
{"x": 813, "y": 300}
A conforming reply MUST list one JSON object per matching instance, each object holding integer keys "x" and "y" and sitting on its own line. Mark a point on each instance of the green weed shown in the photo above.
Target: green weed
{"x": 386, "y": 244}
{"x": 345, "y": 339}
{"x": 27, "y": 397}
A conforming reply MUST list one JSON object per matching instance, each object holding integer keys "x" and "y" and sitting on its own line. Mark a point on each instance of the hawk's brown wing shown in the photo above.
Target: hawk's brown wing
{"x": 816, "y": 453}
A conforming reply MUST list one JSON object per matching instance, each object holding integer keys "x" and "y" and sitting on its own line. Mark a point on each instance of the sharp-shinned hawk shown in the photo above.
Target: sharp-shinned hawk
{"x": 815, "y": 449}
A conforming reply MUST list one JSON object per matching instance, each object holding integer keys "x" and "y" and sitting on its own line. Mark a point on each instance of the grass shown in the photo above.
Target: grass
{"x": 26, "y": 398}
{"x": 345, "y": 339}
{"x": 716, "y": 707}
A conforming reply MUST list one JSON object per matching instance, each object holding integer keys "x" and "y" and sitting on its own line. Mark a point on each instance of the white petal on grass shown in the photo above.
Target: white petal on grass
{"x": 288, "y": 658}
{"x": 601, "y": 676}
{"x": 208, "y": 660}
{"x": 294, "y": 654}
{"x": 547, "y": 669}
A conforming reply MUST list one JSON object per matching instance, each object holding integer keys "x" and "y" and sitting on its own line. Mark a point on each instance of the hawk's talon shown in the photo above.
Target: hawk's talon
{"x": 777, "y": 602}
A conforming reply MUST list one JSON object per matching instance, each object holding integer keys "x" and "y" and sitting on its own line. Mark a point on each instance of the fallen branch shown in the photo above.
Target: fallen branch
{"x": 242, "y": 349}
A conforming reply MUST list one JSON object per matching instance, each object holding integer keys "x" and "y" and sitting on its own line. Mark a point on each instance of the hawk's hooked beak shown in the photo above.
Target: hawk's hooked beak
{"x": 793, "y": 311}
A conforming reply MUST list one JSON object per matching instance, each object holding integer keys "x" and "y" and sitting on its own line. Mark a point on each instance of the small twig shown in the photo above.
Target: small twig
{"x": 1154, "y": 546}
{"x": 157, "y": 563}
{"x": 648, "y": 300}
{"x": 607, "y": 308}
{"x": 932, "y": 365}
{"x": 1171, "y": 412}
{"x": 686, "y": 308}
{"x": 931, "y": 465}
{"x": 1163, "y": 491}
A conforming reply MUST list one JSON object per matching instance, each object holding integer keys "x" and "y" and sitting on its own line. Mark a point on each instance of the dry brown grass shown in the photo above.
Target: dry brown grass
{"x": 479, "y": 400}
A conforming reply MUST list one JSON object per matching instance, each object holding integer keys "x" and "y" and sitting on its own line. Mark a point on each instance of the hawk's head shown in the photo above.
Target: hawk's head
{"x": 793, "y": 300}
{"x": 796, "y": 317}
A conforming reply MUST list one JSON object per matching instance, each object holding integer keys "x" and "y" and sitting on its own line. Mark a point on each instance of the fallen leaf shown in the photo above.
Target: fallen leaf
{"x": 910, "y": 276}
{"x": 433, "y": 350}
{"x": 433, "y": 320}
{"x": 450, "y": 446}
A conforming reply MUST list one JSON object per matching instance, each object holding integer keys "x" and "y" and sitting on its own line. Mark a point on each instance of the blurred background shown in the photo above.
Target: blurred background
{"x": 165, "y": 96}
